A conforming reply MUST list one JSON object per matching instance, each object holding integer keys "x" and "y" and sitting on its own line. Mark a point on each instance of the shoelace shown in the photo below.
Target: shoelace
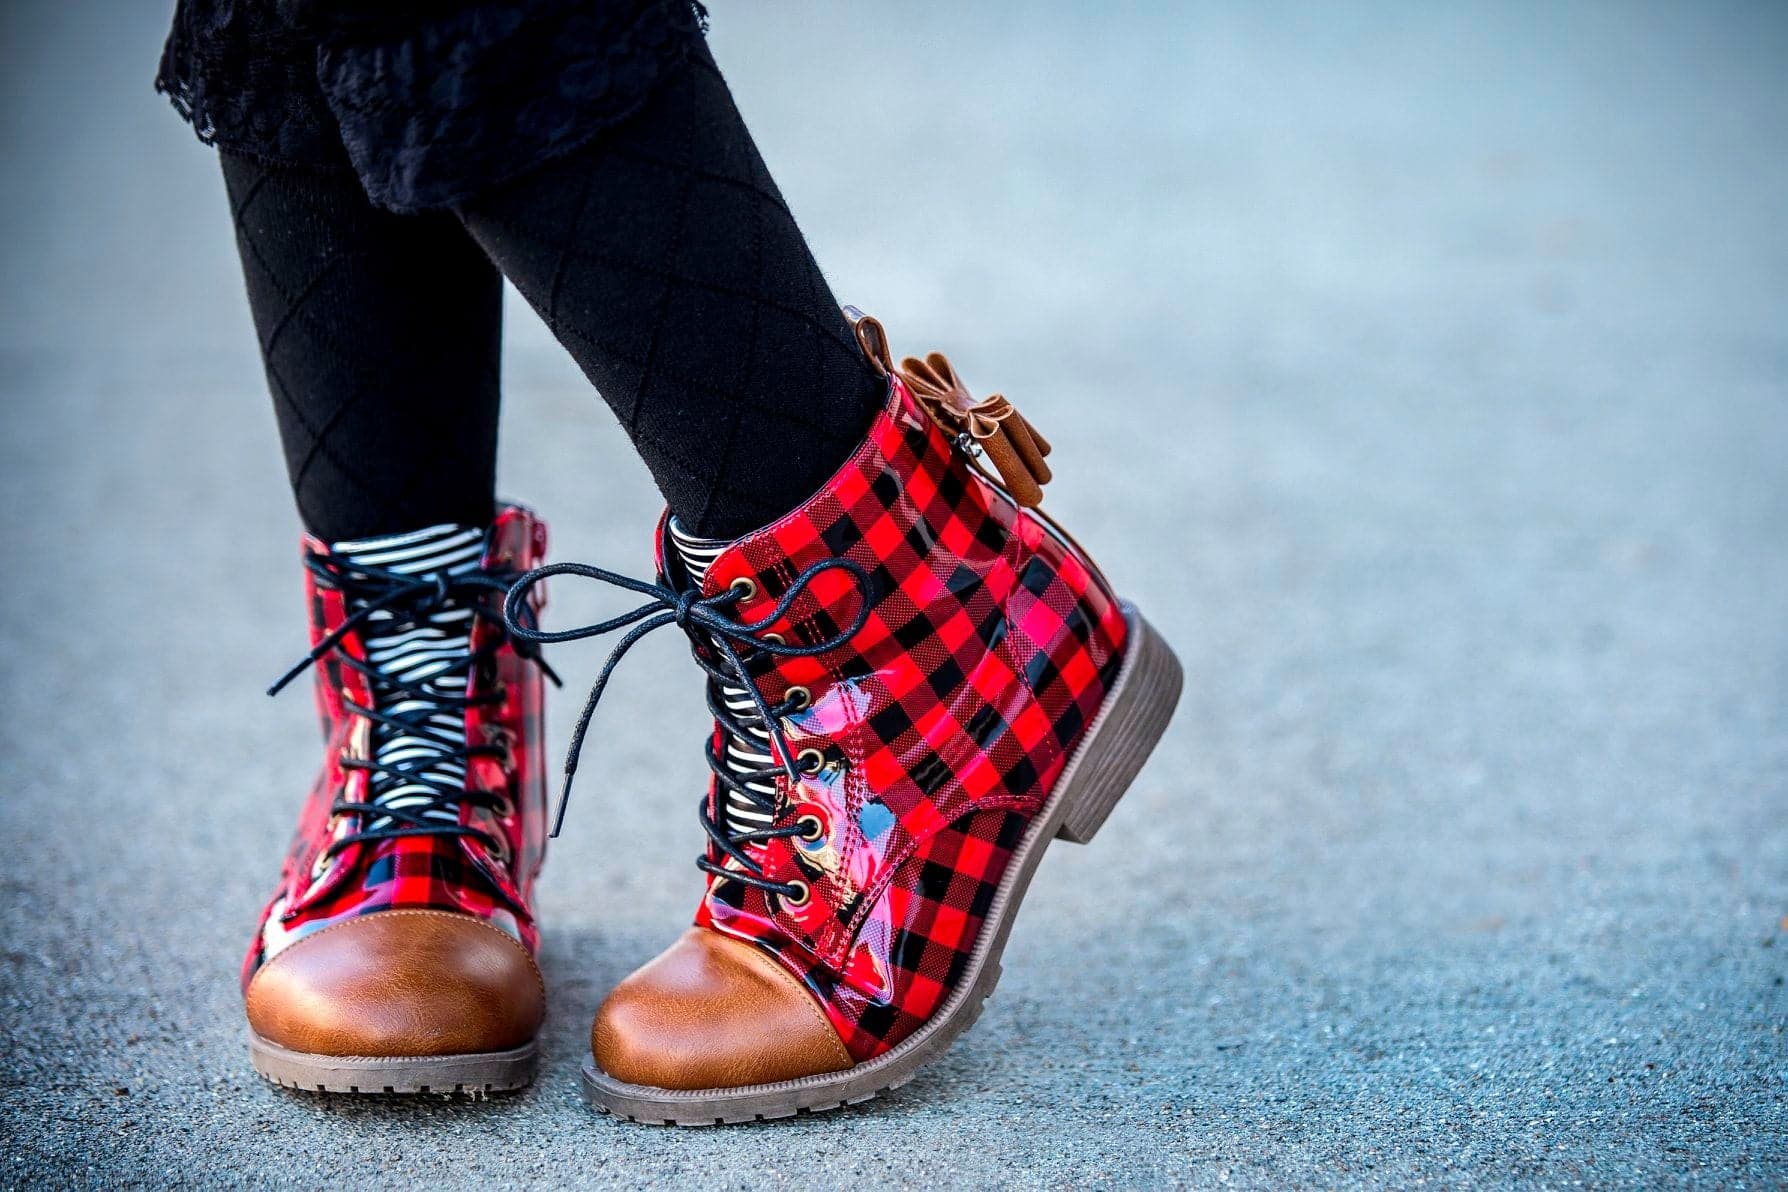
{"x": 715, "y": 641}
{"x": 410, "y": 598}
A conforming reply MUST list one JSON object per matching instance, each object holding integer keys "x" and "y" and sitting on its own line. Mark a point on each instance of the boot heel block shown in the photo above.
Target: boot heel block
{"x": 1125, "y": 732}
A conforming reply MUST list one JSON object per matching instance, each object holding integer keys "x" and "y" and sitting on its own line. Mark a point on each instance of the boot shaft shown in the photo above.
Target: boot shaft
{"x": 489, "y": 873}
{"x": 988, "y": 645}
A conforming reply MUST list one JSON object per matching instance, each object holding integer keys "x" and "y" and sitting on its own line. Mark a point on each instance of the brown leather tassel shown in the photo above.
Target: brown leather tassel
{"x": 1012, "y": 445}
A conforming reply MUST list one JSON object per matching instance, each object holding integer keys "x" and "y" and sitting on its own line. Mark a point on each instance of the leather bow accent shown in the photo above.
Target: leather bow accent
{"x": 1011, "y": 443}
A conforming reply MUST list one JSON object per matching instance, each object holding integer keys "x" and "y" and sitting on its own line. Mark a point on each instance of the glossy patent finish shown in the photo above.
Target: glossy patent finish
{"x": 931, "y": 738}
{"x": 458, "y": 874}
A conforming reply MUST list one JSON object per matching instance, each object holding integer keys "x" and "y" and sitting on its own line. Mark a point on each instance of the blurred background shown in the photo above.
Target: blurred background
{"x": 1422, "y": 370}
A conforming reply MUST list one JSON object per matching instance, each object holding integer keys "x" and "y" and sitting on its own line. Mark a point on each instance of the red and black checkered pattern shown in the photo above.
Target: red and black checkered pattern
{"x": 923, "y": 933}
{"x": 944, "y": 723}
{"x": 454, "y": 874}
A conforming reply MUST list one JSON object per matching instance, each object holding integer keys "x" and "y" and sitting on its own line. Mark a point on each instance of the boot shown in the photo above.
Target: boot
{"x": 397, "y": 954}
{"x": 917, "y": 682}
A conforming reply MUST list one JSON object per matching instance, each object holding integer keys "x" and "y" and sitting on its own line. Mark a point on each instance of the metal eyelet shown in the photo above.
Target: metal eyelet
{"x": 760, "y": 651}
{"x": 498, "y": 849}
{"x": 810, "y": 761}
{"x": 802, "y": 696}
{"x": 806, "y": 894}
{"x": 321, "y": 865}
{"x": 500, "y": 738}
{"x": 502, "y": 806}
{"x": 813, "y": 827}
{"x": 745, "y": 586}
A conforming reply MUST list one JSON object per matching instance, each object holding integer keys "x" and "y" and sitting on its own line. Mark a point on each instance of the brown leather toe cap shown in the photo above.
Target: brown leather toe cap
{"x": 399, "y": 983}
{"x": 713, "y": 1012}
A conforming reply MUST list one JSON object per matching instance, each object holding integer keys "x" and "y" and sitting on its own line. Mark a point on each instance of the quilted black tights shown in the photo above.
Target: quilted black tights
{"x": 661, "y": 255}
{"x": 380, "y": 334}
{"x": 665, "y": 260}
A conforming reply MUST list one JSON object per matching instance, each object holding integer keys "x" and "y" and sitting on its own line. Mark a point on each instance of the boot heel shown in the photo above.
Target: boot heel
{"x": 1136, "y": 713}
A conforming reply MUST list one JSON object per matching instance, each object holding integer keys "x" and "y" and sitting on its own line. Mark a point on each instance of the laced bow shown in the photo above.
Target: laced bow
{"x": 417, "y": 595}
{"x": 709, "y": 627}
{"x": 414, "y": 597}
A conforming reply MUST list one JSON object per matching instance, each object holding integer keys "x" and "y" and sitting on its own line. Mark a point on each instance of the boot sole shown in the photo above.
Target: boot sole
{"x": 473, "y": 1074}
{"x": 1106, "y": 762}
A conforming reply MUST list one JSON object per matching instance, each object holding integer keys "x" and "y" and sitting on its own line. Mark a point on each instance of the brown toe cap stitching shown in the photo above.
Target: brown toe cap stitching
{"x": 400, "y": 983}
{"x": 713, "y": 1012}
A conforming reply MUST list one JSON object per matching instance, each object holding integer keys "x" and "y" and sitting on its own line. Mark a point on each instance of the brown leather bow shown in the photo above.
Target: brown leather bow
{"x": 1013, "y": 445}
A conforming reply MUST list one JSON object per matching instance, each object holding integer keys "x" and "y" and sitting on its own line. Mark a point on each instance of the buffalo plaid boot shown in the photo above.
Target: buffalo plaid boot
{"x": 917, "y": 683}
{"x": 397, "y": 954}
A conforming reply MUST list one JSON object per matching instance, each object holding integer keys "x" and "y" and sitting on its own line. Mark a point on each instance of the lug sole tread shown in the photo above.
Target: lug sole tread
{"x": 474, "y": 1076}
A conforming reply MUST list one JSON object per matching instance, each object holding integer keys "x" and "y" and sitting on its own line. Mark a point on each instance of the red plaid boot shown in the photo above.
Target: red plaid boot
{"x": 397, "y": 954}
{"x": 917, "y": 683}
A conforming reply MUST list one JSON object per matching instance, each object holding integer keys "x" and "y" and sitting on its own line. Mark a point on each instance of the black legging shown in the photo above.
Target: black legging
{"x": 661, "y": 255}
{"x": 381, "y": 335}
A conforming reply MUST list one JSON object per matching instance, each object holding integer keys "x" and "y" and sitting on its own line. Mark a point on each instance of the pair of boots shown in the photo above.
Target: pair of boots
{"x": 918, "y": 681}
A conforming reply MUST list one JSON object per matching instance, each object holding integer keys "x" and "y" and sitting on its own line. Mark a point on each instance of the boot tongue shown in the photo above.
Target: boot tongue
{"x": 429, "y": 652}
{"x": 695, "y": 554}
{"x": 751, "y": 752}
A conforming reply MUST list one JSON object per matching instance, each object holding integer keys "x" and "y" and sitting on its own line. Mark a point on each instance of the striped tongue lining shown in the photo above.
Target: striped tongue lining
{"x": 419, "y": 652}
{"x": 752, "y": 752}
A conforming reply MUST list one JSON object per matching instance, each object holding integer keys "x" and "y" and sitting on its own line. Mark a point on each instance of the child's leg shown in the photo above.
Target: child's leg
{"x": 381, "y": 334}
{"x": 396, "y": 952}
{"x": 916, "y": 682}
{"x": 666, "y": 262}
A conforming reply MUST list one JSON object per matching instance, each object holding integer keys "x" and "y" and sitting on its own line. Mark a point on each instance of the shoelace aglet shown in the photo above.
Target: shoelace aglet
{"x": 564, "y": 802}
{"x": 285, "y": 680}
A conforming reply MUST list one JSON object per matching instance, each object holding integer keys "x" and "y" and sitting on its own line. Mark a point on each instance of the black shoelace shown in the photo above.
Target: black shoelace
{"x": 726, "y": 650}
{"x": 411, "y": 600}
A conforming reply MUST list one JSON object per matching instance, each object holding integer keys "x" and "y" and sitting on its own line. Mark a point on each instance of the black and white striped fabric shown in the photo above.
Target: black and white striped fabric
{"x": 752, "y": 752}
{"x": 423, "y": 653}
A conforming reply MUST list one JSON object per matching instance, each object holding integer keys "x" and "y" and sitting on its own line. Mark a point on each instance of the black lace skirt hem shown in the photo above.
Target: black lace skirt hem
{"x": 430, "y": 110}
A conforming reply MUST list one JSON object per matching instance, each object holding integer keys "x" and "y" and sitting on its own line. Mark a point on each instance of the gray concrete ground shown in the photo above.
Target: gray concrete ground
{"x": 1422, "y": 370}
